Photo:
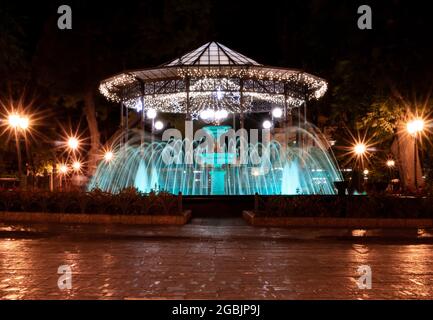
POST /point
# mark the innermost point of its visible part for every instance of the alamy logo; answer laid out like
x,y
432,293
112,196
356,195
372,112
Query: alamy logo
x,y
365,20
199,146
65,280
364,281
65,20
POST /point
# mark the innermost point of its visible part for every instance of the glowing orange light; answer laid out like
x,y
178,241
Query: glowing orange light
x,y
63,169
17,121
415,126
360,149
76,165
108,156
390,163
73,143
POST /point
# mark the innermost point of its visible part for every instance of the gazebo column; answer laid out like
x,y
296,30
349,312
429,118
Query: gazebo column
x,y
121,121
188,102
124,118
126,123
286,117
298,132
143,115
241,104
304,137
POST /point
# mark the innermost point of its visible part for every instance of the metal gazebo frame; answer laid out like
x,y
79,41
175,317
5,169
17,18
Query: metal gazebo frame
x,y
181,85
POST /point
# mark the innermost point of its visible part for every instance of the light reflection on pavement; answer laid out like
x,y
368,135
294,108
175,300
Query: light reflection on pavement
x,y
213,259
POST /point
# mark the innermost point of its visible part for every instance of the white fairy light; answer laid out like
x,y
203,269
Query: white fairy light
x,y
221,114
206,114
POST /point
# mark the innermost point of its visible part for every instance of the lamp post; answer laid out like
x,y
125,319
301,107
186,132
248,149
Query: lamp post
x,y
276,113
18,123
390,163
63,170
414,128
151,114
359,149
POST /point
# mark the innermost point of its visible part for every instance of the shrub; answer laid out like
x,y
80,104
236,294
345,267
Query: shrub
x,y
374,206
128,201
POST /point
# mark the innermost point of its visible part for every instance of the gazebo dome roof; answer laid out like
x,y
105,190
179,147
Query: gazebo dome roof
x,y
213,75
212,54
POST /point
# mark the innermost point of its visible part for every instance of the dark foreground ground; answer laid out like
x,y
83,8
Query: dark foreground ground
x,y
213,259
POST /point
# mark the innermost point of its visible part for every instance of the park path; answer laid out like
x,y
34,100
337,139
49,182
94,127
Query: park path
x,y
213,259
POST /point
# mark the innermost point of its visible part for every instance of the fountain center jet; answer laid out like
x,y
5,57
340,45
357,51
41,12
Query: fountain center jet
x,y
216,160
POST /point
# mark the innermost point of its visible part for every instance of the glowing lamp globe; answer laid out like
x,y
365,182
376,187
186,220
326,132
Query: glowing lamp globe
x,y
267,124
151,113
23,123
159,125
360,149
415,126
63,169
390,163
277,113
108,156
76,165
14,120
73,143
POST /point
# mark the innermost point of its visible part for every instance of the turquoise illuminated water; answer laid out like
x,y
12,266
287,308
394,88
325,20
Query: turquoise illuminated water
x,y
310,169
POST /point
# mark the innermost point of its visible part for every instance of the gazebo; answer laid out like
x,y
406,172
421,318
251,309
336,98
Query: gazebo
x,y
213,77
210,83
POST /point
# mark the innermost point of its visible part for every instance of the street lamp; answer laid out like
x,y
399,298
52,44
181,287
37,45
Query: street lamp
x,y
63,169
73,143
76,165
414,128
18,123
359,149
24,123
13,121
390,163
108,156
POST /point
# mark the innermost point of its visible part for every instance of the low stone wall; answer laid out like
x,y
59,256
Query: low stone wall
x,y
320,222
96,218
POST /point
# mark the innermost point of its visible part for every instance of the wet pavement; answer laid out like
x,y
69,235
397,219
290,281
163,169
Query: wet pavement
x,y
213,259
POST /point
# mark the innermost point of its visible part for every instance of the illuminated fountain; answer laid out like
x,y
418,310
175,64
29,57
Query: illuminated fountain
x,y
212,83
292,170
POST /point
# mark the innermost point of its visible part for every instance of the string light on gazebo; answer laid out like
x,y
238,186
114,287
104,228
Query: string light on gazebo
x,y
217,77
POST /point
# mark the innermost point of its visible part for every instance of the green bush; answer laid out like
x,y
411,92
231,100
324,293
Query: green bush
x,y
374,206
128,201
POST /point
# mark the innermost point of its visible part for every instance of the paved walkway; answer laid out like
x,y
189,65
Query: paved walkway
x,y
215,259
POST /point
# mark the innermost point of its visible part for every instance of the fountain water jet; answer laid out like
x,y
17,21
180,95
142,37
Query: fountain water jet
x,y
310,169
